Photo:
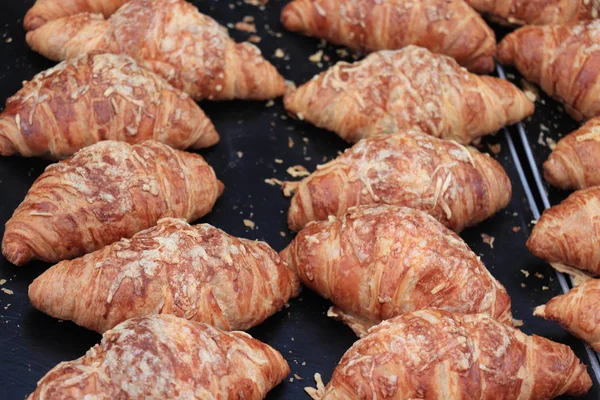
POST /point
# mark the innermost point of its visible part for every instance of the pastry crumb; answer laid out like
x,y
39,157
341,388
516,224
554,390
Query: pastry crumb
x,y
283,234
317,57
298,377
278,161
249,223
516,229
525,272
245,27
487,239
2,281
545,288
297,171
273,181
290,142
256,2
270,103
538,275
523,285
279,53
551,143
495,148
7,291
254,39
240,154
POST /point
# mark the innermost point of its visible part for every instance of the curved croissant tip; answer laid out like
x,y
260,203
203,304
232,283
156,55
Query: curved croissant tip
x,y
16,253
209,138
506,50
482,65
291,18
33,21
6,146
556,174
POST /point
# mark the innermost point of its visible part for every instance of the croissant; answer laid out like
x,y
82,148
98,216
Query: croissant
x,y
447,27
577,311
562,59
458,186
48,10
378,262
106,192
98,97
410,88
537,12
569,233
165,357
195,272
434,354
575,162
170,37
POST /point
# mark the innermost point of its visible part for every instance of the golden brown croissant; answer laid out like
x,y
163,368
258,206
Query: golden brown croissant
x,y
577,311
537,12
48,10
437,355
195,272
106,192
563,60
410,88
575,161
98,97
458,186
447,27
375,263
165,357
569,233
170,37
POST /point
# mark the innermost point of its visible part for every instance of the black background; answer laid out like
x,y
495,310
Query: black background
x,y
31,343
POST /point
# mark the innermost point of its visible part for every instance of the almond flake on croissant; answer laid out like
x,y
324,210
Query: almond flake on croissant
x,y
569,233
189,50
195,272
575,162
447,27
375,263
410,88
105,192
458,186
165,357
537,12
577,311
564,60
48,10
99,97
437,355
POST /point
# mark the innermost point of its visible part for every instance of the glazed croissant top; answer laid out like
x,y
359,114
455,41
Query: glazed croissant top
x,y
437,355
578,311
562,59
378,262
447,27
165,357
170,37
103,193
98,97
537,12
410,88
48,10
195,272
569,233
457,185
575,162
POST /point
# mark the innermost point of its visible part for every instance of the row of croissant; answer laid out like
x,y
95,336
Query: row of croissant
x,y
358,246
87,100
